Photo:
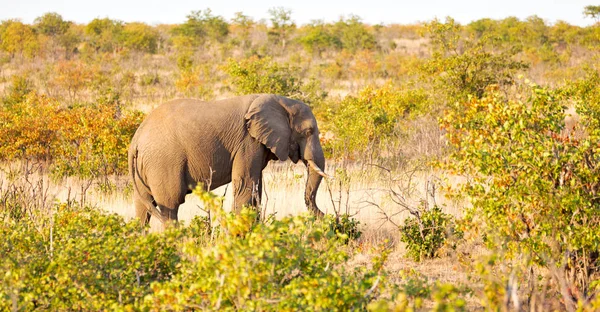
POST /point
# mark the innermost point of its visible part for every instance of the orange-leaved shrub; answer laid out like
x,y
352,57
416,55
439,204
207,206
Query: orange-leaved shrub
x,y
86,140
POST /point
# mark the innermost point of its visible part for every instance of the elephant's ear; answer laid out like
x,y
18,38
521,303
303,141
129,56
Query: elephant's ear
x,y
269,123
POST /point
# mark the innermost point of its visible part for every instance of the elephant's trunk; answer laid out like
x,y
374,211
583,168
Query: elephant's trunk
x,y
315,175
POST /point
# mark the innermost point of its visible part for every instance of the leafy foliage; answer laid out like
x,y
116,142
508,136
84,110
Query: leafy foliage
x,y
464,67
256,75
279,265
51,24
17,38
317,37
83,259
416,288
532,186
202,26
345,225
140,37
592,11
17,91
425,233
353,35
86,141
367,121
105,34
80,259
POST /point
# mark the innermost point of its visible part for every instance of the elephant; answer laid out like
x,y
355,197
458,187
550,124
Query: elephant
x,y
185,142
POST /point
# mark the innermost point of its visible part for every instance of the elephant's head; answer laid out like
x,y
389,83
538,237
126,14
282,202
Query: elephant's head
x,y
289,129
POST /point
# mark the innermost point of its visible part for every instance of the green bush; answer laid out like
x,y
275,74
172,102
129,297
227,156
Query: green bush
x,y
413,291
462,66
18,89
289,264
263,75
366,122
425,233
80,259
344,225
533,187
318,37
140,37
353,34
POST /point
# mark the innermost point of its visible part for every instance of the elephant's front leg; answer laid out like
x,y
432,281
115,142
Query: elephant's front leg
x,y
247,184
247,192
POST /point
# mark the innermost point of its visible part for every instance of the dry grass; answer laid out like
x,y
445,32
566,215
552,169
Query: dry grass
x,y
364,195
361,191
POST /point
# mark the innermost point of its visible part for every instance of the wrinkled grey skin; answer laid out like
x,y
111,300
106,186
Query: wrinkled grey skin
x,y
184,142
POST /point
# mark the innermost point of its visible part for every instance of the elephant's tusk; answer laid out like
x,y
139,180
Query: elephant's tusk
x,y
317,169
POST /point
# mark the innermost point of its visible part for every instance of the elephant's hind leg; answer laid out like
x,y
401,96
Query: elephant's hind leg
x,y
169,206
142,212
169,215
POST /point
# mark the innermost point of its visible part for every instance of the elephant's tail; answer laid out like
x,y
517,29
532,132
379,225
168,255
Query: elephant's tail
x,y
135,177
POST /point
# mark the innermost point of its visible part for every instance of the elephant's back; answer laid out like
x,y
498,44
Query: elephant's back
x,y
193,108
191,118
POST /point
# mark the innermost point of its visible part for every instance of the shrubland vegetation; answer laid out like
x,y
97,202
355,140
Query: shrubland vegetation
x,y
484,101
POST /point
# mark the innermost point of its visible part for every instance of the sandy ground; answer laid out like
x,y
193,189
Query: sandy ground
x,y
365,192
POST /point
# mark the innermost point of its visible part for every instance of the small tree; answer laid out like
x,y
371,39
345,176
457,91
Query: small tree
x,y
105,35
62,33
71,39
141,37
466,67
51,24
203,25
353,34
317,37
243,24
592,11
17,38
281,25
